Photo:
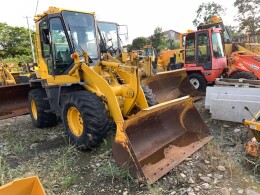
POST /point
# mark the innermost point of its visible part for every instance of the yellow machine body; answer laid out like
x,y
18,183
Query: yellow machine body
x,y
165,58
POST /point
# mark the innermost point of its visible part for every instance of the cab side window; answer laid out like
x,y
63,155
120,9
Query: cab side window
x,y
202,42
190,48
45,47
60,48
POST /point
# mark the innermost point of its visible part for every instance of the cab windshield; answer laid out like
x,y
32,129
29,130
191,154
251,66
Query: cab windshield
x,y
109,32
81,29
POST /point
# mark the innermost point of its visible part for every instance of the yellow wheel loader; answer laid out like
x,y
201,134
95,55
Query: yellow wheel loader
x,y
13,95
89,90
166,85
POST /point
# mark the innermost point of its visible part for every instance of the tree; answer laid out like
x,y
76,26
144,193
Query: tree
x,y
158,39
14,41
206,11
139,42
248,15
171,44
129,47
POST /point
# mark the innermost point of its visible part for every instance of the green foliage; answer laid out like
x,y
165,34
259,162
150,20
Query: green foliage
x,y
158,40
206,11
23,59
248,15
14,41
129,47
171,44
111,170
139,42
68,181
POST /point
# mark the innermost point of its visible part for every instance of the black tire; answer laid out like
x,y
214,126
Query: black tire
x,y
22,79
243,75
149,95
44,119
94,119
198,81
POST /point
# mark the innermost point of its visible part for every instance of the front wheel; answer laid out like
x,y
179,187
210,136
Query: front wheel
x,y
198,81
85,119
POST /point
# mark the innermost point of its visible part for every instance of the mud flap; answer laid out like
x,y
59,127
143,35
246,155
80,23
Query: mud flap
x,y
14,100
157,139
170,85
28,186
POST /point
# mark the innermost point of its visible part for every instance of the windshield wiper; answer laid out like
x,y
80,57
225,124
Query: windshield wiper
x,y
77,46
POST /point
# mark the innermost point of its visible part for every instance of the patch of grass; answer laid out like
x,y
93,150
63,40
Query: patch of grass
x,y
256,166
14,145
154,190
110,169
63,162
35,137
18,148
106,144
6,173
68,181
1,172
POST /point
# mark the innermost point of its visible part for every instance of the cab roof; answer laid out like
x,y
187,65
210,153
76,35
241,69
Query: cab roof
x,y
54,10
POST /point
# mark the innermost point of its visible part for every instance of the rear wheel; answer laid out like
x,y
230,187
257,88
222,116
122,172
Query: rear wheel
x,y
198,81
85,119
149,95
243,75
38,107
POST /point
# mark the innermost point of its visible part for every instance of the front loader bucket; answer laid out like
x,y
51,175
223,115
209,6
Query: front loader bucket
x,y
170,85
25,186
159,138
14,100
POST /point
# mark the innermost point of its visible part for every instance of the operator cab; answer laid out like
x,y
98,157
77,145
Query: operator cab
x,y
63,34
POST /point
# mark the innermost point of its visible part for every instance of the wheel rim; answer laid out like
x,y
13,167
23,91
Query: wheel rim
x,y
195,83
34,109
75,121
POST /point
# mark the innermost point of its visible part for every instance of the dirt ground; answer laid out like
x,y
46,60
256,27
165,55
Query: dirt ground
x,y
220,167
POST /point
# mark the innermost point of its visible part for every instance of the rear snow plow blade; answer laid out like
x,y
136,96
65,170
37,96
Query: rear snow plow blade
x,y
170,85
25,186
159,138
14,100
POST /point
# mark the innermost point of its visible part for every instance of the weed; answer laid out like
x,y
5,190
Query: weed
x,y
116,172
68,181
35,138
154,190
256,165
106,144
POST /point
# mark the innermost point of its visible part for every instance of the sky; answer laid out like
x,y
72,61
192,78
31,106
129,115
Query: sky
x,y
141,16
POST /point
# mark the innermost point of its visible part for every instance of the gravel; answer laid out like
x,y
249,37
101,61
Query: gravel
x,y
220,167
